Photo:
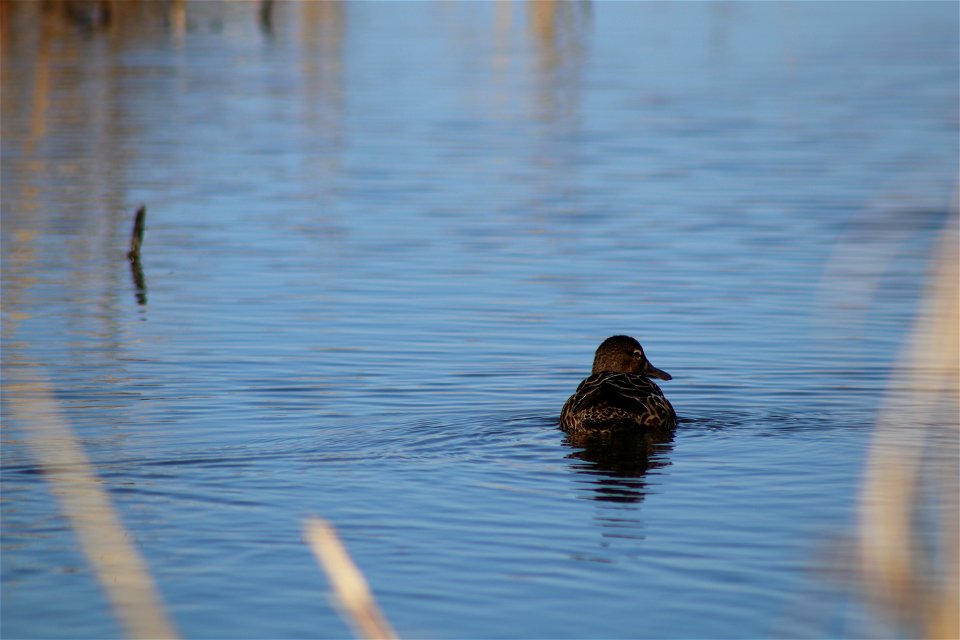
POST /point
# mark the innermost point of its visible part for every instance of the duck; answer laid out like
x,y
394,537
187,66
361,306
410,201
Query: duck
x,y
619,395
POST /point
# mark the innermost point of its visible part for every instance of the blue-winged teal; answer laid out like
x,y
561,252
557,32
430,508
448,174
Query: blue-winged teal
x,y
619,394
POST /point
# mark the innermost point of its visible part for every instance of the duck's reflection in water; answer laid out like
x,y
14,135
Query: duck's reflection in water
x,y
618,462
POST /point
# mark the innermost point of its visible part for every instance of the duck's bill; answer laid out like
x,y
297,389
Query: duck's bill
x,y
653,372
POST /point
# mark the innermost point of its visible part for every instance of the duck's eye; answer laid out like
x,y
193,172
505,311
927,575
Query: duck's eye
x,y
638,354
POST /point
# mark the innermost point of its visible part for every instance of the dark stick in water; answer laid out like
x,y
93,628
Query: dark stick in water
x,y
136,238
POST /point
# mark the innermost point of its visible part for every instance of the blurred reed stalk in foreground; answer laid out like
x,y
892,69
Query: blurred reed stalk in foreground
x,y
349,585
105,542
908,513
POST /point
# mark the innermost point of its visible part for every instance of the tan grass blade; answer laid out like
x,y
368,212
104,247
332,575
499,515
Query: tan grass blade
x,y
350,587
915,584
107,546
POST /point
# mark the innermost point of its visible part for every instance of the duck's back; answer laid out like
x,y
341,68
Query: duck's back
x,y
613,400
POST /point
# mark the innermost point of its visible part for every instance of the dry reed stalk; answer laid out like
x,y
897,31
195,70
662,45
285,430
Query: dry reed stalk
x,y
105,543
914,583
349,585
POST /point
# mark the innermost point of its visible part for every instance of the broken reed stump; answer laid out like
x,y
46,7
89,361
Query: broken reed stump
x,y
136,238
133,255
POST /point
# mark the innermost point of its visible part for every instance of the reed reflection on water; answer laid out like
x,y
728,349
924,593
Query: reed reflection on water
x,y
381,238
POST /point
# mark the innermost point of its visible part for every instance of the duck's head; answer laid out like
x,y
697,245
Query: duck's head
x,y
624,354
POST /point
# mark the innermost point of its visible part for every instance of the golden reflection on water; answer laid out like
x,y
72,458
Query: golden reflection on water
x,y
64,85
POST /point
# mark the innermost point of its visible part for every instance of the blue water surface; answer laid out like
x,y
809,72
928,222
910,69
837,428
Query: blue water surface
x,y
383,241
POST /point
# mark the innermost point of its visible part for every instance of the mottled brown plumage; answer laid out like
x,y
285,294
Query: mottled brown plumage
x,y
619,394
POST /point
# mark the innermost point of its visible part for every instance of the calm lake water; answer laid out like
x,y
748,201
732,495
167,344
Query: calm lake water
x,y
383,241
